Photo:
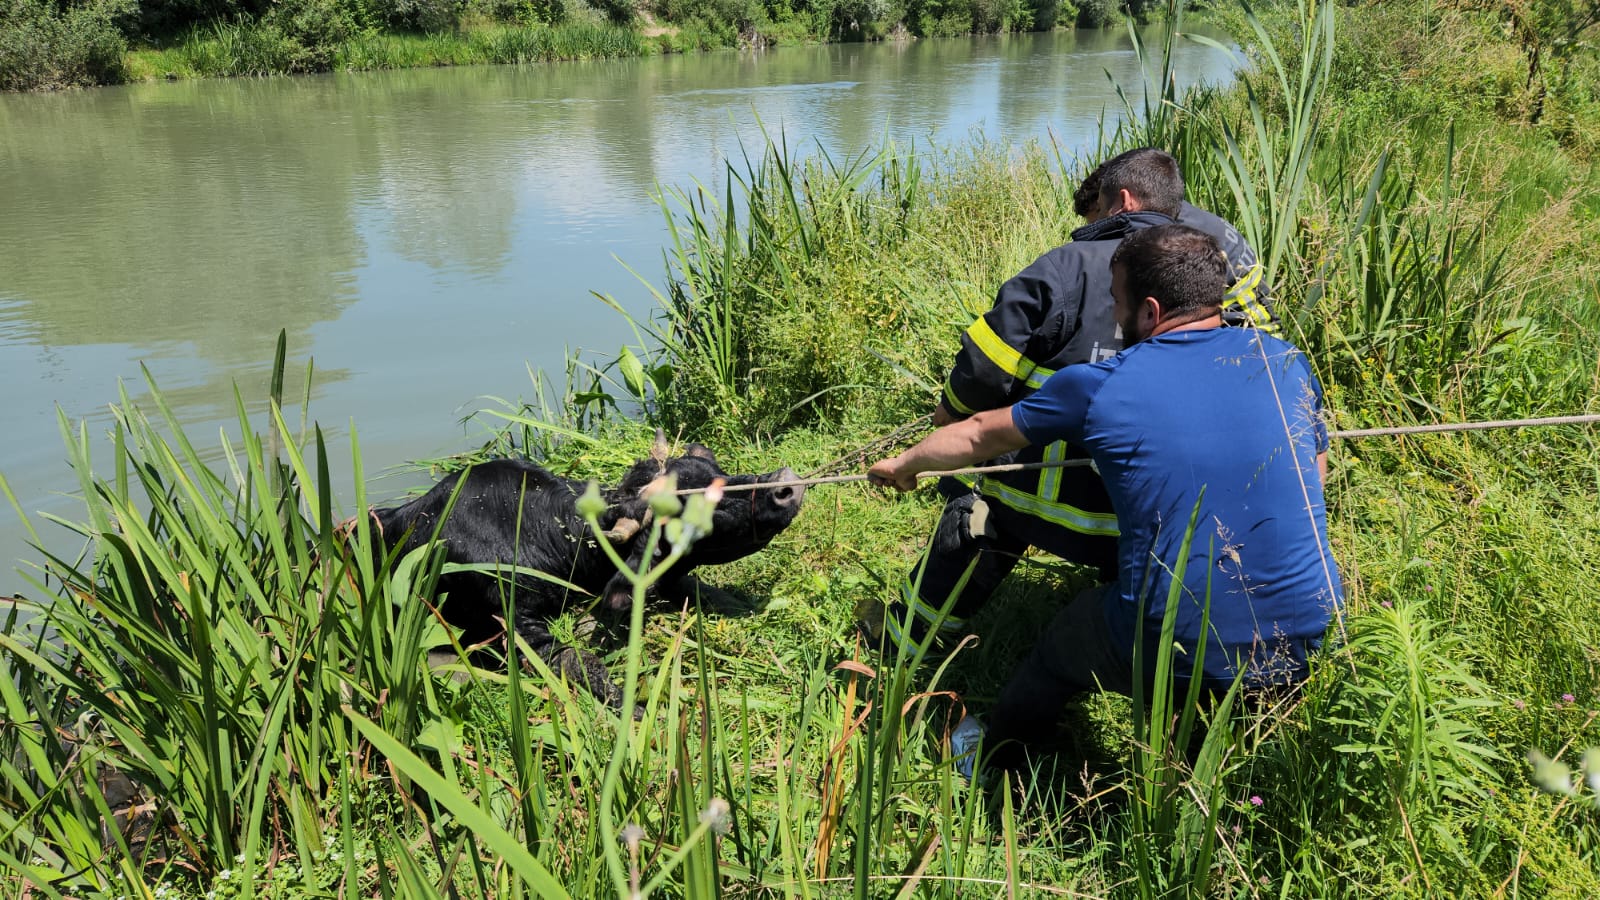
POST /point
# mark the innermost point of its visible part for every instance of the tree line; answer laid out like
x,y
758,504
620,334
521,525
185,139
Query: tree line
x,y
48,44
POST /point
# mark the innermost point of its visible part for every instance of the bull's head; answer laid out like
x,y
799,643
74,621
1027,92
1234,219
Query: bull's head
x,y
744,522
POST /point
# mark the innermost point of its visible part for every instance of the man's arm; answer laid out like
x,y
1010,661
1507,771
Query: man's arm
x,y
1322,467
986,435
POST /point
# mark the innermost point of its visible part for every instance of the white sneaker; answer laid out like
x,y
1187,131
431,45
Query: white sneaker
x,y
964,744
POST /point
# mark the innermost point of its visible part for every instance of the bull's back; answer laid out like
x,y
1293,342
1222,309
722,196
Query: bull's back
x,y
493,503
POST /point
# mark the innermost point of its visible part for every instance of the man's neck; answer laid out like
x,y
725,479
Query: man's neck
x,y
1199,323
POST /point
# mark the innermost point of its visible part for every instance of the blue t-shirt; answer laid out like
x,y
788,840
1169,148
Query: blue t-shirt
x,y
1237,413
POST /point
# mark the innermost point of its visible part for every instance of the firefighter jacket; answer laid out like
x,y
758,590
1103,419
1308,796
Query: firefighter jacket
x,y
1247,301
1057,312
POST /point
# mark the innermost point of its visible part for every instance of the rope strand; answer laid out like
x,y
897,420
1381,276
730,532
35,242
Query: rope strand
x,y
1077,463
1465,426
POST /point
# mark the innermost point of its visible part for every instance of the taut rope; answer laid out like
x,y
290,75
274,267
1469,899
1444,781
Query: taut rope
x,y
1071,463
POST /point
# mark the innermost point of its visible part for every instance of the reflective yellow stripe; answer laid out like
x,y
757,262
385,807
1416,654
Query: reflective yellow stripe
x,y
951,401
1062,514
1050,479
1037,377
1243,292
1243,296
1003,355
895,630
925,612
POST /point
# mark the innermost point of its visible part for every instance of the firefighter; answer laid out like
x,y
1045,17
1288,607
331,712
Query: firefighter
x,y
1214,451
1055,313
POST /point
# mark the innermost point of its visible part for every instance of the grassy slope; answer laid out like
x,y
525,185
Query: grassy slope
x,y
1470,563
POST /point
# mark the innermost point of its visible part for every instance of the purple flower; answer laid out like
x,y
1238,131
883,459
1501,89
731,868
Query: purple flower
x,y
1568,698
1520,705
1428,588
1388,604
1255,800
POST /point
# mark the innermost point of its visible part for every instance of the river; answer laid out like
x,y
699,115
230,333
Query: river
x,y
426,236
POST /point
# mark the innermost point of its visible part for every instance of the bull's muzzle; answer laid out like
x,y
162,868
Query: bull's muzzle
x,y
788,495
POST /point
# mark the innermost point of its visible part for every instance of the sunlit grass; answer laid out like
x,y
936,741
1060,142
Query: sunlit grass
x,y
268,695
252,49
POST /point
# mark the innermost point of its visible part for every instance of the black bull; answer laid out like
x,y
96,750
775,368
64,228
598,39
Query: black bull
x,y
509,512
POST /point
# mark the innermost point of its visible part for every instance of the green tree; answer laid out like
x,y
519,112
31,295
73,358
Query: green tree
x,y
1549,32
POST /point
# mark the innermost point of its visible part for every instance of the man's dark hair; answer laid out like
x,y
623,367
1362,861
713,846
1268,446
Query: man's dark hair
x,y
1152,176
1182,267
1086,199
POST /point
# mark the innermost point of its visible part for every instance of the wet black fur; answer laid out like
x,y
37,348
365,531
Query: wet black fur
x,y
509,511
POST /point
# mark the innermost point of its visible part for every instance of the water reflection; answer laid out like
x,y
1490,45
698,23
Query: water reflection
x,y
426,234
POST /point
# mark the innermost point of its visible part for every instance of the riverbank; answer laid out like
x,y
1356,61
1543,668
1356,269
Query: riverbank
x,y
1430,249
235,50
43,47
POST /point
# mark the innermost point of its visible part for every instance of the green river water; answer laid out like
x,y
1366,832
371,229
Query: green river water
x,y
427,236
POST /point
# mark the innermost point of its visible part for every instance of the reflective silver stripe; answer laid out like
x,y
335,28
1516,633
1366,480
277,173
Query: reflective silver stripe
x,y
925,612
1037,377
894,629
1050,479
1062,514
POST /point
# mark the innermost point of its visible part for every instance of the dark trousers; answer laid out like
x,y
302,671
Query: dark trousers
x,y
957,574
968,559
1075,655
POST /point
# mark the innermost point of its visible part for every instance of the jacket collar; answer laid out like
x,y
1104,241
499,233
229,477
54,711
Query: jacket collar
x,y
1119,226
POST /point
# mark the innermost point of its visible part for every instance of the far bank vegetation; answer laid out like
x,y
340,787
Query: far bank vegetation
x,y
48,44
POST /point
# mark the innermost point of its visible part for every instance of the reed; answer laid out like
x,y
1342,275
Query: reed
x,y
262,686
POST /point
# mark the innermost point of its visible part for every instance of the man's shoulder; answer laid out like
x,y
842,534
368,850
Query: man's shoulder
x,y
1076,249
1195,217
1211,223
1207,347
1073,256
1273,347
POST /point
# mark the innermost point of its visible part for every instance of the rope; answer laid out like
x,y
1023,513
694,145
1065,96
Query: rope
x,y
1466,426
870,450
862,476
1074,463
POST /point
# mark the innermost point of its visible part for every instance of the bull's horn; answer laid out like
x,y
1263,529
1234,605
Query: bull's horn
x,y
627,529
624,531
347,528
658,450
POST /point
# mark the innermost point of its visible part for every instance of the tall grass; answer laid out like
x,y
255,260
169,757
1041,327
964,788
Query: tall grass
x,y
782,275
225,695
265,689
262,48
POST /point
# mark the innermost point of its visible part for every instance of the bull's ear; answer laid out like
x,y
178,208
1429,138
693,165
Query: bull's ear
x,y
642,473
618,592
700,451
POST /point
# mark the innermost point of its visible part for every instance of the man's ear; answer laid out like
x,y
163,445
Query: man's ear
x,y
1150,310
1120,202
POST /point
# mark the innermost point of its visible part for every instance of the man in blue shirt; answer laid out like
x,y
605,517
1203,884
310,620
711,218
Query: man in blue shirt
x,y
1053,314
1192,420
